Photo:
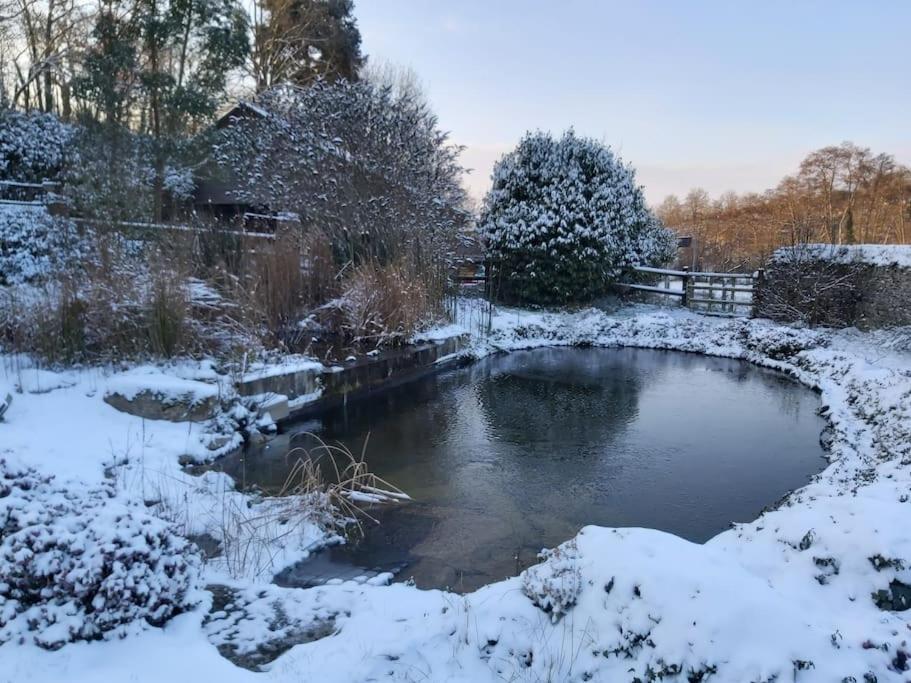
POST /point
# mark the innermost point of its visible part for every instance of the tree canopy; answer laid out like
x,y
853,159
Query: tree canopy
x,y
564,217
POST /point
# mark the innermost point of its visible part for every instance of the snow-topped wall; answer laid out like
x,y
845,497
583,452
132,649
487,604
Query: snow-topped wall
x,y
865,285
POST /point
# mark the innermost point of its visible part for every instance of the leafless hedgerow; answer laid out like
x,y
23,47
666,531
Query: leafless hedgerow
x,y
805,284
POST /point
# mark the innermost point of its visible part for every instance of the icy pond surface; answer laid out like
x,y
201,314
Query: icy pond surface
x,y
517,452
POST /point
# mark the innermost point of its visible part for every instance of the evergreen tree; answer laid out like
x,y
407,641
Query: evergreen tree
x,y
32,145
109,67
162,66
300,41
564,218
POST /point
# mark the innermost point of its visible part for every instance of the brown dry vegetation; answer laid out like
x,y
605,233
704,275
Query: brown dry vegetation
x,y
211,292
842,194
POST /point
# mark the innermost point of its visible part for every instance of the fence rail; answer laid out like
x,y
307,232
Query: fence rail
x,y
727,294
152,228
12,192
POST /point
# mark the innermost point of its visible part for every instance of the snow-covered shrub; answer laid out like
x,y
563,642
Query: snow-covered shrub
x,y
780,343
179,182
32,146
555,584
33,243
83,567
118,304
564,218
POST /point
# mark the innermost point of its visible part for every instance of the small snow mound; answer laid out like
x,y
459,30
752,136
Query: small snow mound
x,y
555,584
35,381
147,379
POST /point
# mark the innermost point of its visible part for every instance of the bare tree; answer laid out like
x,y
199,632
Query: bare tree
x,y
840,195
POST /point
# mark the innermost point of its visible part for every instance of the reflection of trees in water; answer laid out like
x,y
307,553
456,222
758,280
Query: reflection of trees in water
x,y
549,396
518,451
400,426
786,392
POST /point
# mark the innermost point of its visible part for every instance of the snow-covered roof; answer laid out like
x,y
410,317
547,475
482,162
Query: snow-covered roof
x,y
242,109
870,254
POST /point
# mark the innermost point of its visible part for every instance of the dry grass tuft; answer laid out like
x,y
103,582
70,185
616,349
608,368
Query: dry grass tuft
x,y
351,485
386,303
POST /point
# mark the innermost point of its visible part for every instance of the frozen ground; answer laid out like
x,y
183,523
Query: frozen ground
x,y
814,590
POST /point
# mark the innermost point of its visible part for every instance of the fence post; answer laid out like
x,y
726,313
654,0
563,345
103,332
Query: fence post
x,y
757,291
686,283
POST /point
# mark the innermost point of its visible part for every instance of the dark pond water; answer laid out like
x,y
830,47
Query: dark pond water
x,y
519,451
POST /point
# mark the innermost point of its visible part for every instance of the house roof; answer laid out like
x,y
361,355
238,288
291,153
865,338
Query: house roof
x,y
242,110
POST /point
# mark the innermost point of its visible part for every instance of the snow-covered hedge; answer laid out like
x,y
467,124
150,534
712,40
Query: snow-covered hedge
x,y
848,254
83,567
564,218
32,242
32,146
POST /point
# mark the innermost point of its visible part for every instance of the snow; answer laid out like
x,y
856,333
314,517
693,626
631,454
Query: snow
x,y
790,596
869,254
155,381
285,366
439,334
39,381
32,242
71,432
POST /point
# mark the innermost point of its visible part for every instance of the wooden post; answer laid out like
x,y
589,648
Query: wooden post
x,y
686,284
757,289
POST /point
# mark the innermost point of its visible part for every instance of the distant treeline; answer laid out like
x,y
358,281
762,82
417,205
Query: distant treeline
x,y
842,194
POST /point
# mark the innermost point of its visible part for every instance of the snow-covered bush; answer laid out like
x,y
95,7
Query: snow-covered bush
x,y
564,218
84,567
32,243
179,182
555,584
32,146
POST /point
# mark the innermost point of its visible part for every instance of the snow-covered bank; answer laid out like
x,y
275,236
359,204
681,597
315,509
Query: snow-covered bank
x,y
809,591
65,424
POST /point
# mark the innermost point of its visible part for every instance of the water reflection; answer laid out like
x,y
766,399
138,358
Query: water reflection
x,y
517,452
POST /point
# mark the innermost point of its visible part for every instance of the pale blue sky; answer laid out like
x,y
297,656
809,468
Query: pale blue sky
x,y
726,95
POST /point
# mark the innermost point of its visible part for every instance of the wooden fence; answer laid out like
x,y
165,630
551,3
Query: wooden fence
x,y
12,192
147,228
728,294
724,294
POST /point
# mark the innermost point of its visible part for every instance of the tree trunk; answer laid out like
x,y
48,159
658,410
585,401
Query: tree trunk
x,y
155,112
48,54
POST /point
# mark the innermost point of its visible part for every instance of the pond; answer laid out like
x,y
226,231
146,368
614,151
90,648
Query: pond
x,y
516,452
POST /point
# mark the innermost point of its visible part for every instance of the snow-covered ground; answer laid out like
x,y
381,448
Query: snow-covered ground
x,y
810,591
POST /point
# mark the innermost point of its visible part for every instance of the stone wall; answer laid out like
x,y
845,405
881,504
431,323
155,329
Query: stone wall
x,y
837,288
337,384
885,299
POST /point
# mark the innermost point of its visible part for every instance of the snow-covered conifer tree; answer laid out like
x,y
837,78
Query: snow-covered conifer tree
x,y
564,217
